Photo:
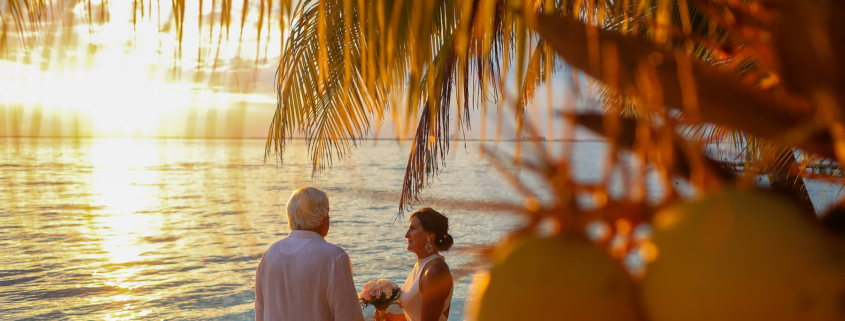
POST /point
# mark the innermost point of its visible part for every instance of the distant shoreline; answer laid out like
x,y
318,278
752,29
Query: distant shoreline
x,y
295,138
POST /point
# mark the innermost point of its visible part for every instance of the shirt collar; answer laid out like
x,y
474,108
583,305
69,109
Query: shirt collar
x,y
304,234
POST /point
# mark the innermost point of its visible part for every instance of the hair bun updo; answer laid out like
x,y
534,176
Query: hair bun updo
x,y
433,221
445,242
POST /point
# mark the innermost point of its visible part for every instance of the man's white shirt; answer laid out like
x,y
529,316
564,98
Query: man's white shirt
x,y
303,277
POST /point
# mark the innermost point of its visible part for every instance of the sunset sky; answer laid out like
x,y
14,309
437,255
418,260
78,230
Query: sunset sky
x,y
118,80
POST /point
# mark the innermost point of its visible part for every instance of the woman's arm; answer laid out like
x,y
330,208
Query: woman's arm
x,y
435,286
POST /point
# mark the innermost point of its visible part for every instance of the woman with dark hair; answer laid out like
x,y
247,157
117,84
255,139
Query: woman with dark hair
x,y
427,292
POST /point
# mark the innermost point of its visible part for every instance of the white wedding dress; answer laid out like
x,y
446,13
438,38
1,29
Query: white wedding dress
x,y
410,297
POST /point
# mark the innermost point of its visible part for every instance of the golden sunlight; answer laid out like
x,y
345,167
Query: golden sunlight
x,y
123,187
123,79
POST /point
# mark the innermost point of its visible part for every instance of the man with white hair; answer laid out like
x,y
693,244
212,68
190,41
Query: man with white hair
x,y
303,277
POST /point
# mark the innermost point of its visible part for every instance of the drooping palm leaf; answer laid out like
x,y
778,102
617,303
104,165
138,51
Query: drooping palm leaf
x,y
330,110
474,45
418,52
471,58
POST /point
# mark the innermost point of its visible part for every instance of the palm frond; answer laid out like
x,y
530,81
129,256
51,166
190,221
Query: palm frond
x,y
320,98
388,50
468,58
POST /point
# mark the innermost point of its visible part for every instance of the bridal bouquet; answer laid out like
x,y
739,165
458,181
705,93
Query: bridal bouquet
x,y
379,293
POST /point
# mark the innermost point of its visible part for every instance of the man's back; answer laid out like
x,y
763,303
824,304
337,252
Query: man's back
x,y
303,277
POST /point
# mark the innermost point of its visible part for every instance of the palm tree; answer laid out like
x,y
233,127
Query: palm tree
x,y
392,56
388,59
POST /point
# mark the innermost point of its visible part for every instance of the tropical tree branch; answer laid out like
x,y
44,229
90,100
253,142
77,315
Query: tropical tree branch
x,y
645,68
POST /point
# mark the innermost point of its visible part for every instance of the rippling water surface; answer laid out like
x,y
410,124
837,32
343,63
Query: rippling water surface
x,y
129,229
173,229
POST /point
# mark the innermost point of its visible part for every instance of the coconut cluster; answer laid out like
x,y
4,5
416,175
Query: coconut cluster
x,y
736,254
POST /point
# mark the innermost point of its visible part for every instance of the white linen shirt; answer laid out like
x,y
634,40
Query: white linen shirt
x,y
303,277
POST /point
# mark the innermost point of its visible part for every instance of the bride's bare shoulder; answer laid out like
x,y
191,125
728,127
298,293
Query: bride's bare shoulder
x,y
436,276
436,269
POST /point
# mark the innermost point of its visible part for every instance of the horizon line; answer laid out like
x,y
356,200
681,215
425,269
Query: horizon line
x,y
294,138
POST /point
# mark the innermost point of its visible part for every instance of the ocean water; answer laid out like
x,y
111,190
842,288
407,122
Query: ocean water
x,y
149,229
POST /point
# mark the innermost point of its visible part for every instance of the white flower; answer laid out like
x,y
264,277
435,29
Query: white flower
x,y
387,290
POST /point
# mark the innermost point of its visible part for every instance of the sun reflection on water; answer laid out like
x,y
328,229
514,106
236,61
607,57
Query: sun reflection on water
x,y
126,191
122,186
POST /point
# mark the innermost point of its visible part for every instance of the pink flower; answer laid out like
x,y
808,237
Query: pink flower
x,y
379,293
